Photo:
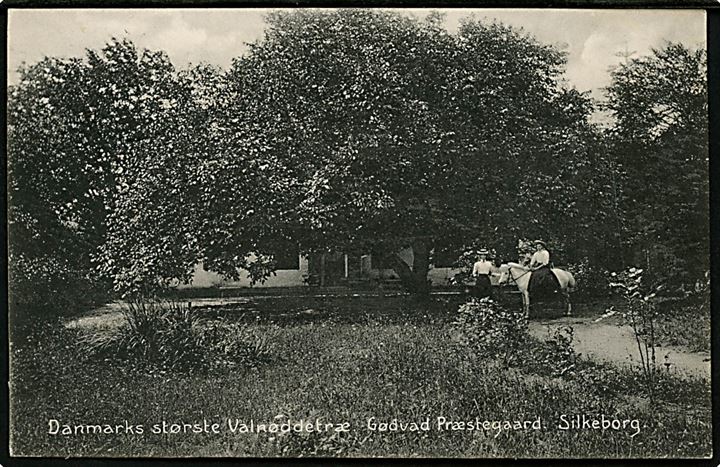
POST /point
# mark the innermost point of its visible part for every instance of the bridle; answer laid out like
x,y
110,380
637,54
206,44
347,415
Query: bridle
x,y
514,279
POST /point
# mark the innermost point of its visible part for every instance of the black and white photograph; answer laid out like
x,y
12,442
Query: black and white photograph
x,y
358,233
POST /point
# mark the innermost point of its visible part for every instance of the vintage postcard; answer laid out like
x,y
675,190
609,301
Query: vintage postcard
x,y
459,233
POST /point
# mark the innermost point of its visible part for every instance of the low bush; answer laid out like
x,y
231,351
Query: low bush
x,y
685,327
686,322
491,330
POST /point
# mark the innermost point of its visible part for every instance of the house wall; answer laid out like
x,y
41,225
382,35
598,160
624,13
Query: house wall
x,y
296,277
281,278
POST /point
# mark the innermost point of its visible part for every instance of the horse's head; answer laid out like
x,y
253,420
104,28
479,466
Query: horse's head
x,y
503,279
504,274
511,272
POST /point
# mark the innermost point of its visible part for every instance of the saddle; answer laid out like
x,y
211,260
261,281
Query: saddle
x,y
543,283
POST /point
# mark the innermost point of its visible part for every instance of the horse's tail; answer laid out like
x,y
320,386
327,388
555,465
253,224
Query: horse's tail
x,y
571,281
566,276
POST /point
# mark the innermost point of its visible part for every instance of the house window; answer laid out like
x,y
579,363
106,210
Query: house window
x,y
288,257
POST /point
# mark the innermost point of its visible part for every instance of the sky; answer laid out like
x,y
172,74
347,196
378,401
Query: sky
x,y
592,38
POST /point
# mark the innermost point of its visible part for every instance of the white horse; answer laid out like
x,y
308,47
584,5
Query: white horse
x,y
520,276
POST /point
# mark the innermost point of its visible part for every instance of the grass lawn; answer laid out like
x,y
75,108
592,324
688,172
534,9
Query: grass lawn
x,y
343,362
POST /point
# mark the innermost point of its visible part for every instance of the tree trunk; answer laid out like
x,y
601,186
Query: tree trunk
x,y
414,279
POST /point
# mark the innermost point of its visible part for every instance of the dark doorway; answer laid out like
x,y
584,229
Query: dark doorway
x,y
333,268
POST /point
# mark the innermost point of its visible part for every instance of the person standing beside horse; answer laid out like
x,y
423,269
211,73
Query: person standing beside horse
x,y
482,269
543,282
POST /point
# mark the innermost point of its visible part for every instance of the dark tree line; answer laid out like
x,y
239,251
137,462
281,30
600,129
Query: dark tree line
x,y
356,131
660,140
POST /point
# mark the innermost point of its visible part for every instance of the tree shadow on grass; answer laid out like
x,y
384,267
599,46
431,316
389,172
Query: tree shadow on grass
x,y
288,311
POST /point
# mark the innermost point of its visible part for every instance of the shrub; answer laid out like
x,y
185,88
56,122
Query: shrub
x,y
686,327
491,330
171,336
685,320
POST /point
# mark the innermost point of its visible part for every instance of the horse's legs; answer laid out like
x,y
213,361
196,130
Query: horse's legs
x,y
526,304
569,305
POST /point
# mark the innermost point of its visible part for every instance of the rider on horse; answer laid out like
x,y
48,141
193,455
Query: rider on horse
x,y
543,282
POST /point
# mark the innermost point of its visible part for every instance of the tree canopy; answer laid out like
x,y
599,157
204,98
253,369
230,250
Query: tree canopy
x,y
98,156
394,133
356,131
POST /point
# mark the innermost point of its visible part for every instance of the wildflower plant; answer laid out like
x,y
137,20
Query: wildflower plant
x,y
641,313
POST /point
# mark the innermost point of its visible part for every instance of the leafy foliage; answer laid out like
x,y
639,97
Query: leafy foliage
x,y
490,330
49,283
692,307
592,277
354,130
98,150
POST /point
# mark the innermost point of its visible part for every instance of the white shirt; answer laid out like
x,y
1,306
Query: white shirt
x,y
482,268
540,258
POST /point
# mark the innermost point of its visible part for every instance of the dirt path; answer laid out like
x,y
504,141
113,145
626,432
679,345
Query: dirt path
x,y
616,344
